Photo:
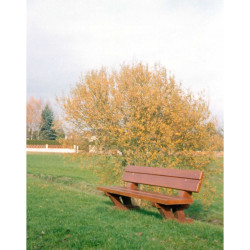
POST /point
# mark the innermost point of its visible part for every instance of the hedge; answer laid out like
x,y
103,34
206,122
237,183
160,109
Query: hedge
x,y
42,142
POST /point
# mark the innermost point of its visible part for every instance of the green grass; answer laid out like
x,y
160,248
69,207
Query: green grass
x,y
213,213
65,211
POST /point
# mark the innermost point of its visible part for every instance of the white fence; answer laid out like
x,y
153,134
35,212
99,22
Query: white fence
x,y
47,149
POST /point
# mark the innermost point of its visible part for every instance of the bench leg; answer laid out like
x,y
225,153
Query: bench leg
x,y
164,210
173,212
179,213
118,199
128,203
115,198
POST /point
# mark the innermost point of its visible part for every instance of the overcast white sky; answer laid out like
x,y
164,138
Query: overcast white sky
x,y
67,38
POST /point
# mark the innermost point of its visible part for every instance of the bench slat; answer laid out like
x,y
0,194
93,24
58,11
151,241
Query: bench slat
x,y
189,174
153,197
185,184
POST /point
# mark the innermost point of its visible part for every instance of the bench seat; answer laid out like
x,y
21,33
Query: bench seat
x,y
146,195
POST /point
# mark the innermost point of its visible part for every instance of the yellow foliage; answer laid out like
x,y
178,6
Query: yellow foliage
x,y
145,115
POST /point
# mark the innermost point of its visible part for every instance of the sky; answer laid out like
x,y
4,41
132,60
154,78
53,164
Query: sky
x,y
68,38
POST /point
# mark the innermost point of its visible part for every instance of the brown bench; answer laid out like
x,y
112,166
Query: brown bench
x,y
170,206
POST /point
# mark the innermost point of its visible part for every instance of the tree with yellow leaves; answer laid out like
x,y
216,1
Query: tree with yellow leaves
x,y
145,114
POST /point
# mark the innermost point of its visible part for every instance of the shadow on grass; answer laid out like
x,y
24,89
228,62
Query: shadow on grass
x,y
149,213
140,211
196,210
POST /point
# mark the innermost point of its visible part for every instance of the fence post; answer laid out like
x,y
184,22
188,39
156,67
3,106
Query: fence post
x,y
46,146
77,149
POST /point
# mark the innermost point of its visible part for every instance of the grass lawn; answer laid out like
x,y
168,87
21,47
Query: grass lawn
x,y
65,211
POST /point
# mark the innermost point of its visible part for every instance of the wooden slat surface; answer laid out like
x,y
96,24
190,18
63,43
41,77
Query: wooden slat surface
x,y
141,194
189,174
185,184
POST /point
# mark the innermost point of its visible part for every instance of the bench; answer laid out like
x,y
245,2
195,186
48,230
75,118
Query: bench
x,y
169,206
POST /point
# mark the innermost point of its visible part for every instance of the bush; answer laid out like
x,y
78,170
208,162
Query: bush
x,y
42,142
145,114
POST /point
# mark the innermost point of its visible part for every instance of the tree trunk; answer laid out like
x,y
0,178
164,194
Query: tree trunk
x,y
31,134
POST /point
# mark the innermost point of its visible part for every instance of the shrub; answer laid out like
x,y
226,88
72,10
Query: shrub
x,y
42,142
144,114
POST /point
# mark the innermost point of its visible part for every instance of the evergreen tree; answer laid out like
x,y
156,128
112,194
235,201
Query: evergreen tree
x,y
47,131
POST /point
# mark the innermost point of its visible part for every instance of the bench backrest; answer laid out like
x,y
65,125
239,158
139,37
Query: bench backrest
x,y
186,180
